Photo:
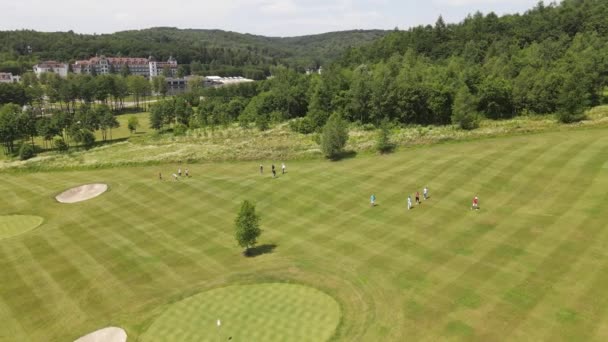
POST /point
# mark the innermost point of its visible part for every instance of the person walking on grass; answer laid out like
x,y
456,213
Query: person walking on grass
x,y
274,172
372,200
261,169
425,193
283,167
187,173
179,171
409,202
475,203
417,198
160,176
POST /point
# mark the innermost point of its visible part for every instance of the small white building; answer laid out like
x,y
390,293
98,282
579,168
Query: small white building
x,y
58,68
216,81
7,77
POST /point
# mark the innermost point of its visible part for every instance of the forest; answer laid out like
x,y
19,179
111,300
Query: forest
x,y
552,59
202,52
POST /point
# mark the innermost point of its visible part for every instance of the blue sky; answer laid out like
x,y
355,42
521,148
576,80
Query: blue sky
x,y
266,17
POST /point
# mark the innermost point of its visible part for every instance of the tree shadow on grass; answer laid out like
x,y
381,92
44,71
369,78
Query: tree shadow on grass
x,y
260,250
344,155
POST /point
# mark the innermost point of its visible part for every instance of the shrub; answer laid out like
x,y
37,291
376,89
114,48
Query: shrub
x,y
180,129
26,152
569,117
261,122
60,144
87,138
133,123
302,125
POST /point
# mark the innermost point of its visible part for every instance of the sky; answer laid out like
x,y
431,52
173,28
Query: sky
x,y
264,17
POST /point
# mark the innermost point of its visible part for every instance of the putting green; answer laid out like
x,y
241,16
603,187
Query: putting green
x,y
12,225
262,312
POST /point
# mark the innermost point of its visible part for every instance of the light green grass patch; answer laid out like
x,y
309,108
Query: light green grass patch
x,y
12,225
262,312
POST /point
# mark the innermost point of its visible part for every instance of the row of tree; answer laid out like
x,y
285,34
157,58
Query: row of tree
x,y
76,89
19,127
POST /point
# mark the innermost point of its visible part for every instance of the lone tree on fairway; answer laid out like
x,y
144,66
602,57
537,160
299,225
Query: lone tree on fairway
x,y
247,226
334,136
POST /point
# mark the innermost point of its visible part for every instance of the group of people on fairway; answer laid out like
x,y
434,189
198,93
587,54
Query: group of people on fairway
x,y
425,194
274,172
176,176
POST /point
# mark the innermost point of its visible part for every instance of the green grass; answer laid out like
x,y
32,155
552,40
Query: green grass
x,y
263,312
12,225
530,265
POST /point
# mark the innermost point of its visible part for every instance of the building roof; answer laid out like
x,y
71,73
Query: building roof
x,y
6,76
51,64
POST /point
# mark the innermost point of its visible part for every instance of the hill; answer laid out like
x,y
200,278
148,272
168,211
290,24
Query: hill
x,y
214,49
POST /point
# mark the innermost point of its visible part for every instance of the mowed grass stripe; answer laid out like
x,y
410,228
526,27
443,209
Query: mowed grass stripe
x,y
438,272
525,296
496,259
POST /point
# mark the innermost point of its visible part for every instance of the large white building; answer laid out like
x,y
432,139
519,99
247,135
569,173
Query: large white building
x,y
58,68
146,67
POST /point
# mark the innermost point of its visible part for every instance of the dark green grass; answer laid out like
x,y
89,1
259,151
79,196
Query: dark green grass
x,y
530,265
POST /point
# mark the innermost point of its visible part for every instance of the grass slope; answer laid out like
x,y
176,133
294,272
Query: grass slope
x,y
263,312
530,265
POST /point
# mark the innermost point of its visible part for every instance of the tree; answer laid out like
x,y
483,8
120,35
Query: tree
x,y
133,123
464,113
247,226
107,121
9,126
383,142
334,136
125,71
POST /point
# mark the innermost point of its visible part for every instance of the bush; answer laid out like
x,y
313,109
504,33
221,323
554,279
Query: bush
x,y
87,138
26,152
334,136
466,120
261,122
568,117
133,123
60,144
302,125
180,129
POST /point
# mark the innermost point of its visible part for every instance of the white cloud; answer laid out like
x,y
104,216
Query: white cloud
x,y
462,3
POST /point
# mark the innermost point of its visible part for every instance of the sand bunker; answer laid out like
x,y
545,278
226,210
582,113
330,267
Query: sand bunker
x,y
81,193
110,334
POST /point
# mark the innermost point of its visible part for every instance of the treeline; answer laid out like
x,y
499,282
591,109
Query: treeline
x,y
64,94
19,127
551,60
206,52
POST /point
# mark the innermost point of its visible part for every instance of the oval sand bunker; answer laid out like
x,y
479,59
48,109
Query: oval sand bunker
x,y
82,193
111,334
260,312
12,225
